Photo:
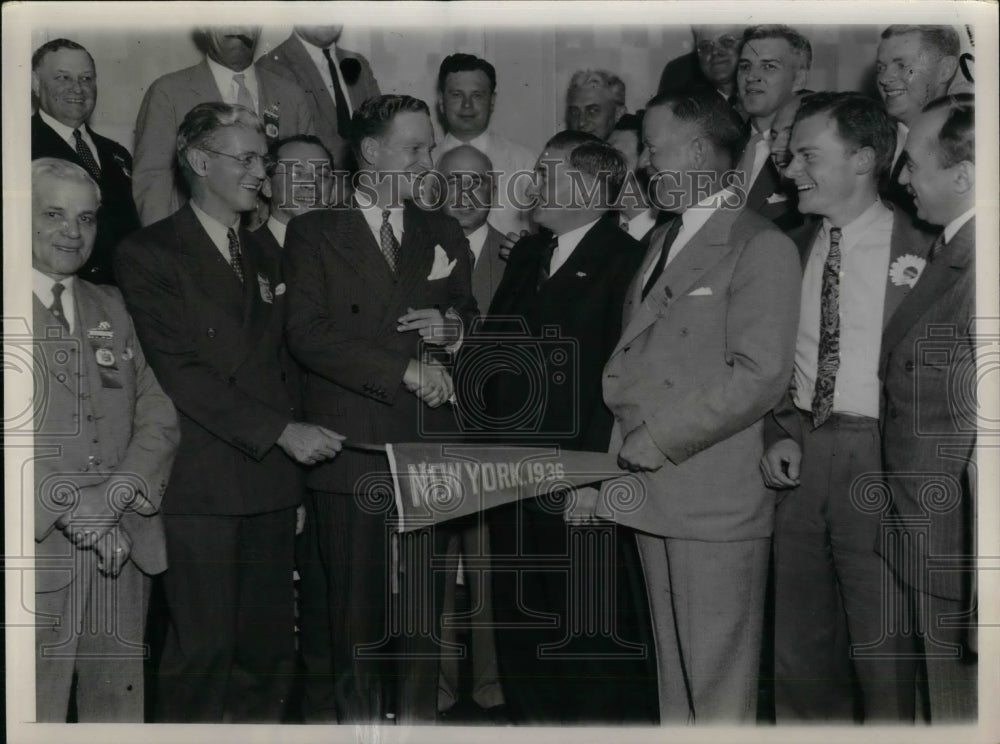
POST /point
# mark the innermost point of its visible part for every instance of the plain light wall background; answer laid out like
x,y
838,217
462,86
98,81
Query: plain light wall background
x,y
533,65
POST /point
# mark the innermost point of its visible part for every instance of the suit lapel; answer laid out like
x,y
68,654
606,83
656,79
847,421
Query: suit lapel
x,y
935,280
43,317
765,185
205,264
352,238
203,83
415,260
51,142
906,240
352,91
585,259
315,85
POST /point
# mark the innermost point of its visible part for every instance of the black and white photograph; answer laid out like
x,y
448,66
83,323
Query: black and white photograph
x,y
478,371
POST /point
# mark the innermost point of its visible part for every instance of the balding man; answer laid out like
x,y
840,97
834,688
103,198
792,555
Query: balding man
x,y
595,101
711,65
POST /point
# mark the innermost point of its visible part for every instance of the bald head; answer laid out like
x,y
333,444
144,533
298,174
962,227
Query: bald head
x,y
467,171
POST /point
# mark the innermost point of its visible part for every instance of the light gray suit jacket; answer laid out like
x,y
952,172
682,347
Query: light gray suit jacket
x,y
96,421
700,362
156,183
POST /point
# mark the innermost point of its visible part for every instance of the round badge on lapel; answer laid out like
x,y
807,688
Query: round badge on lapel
x,y
105,357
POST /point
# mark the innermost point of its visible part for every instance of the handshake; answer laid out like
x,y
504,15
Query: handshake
x,y
429,381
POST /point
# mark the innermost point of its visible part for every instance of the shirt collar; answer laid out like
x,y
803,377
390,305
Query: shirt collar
x,y
316,52
41,287
569,240
278,229
217,232
477,239
373,216
224,77
956,224
694,217
481,142
641,223
860,224
62,130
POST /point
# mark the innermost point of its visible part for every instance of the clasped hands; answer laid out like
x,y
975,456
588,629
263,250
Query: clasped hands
x,y
92,524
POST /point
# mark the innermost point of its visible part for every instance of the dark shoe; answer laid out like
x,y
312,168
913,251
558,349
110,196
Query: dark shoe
x,y
498,715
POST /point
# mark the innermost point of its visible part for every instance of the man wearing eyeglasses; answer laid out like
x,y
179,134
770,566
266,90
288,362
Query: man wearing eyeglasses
x,y
208,303
226,74
712,64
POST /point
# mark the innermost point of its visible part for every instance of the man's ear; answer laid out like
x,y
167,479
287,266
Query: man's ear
x,y
620,112
265,189
197,161
35,83
801,77
493,102
699,152
964,181
865,160
947,68
369,149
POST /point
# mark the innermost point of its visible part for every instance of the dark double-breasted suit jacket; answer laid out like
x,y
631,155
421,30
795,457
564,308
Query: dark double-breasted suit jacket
x,y
118,215
489,269
344,304
928,417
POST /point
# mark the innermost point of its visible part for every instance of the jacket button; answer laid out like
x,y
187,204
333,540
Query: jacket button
x,y
668,293
232,381
283,377
894,413
909,366
61,377
684,331
211,332
355,309
668,383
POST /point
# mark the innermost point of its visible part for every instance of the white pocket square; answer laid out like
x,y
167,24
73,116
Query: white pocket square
x,y
777,198
442,266
279,290
700,292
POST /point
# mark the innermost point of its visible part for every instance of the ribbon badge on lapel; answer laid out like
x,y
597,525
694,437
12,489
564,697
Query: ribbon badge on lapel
x,y
906,270
265,288
102,342
270,117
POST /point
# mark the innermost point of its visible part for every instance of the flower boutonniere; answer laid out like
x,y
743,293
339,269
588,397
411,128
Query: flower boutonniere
x,y
906,270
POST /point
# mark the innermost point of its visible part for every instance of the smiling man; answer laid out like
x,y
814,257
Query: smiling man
x,y
371,287
712,64
226,74
467,95
830,584
64,82
209,305
107,430
773,66
914,65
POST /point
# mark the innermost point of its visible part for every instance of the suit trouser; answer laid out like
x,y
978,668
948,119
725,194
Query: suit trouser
x,y
707,605
472,541
94,626
832,590
230,647
558,594
319,702
385,637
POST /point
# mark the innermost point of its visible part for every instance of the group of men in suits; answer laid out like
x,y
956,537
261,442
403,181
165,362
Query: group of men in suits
x,y
273,346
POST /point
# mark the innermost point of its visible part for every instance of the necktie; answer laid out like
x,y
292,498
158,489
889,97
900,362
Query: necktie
x,y
936,247
243,97
546,261
339,99
390,246
235,254
83,150
57,306
828,360
668,241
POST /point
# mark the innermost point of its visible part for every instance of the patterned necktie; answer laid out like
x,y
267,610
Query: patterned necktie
x,y
339,99
390,246
87,156
235,254
661,262
243,97
828,360
936,247
57,306
545,261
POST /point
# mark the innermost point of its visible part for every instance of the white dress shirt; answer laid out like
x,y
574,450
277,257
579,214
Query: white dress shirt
x,y
41,287
228,87
217,232
901,131
692,220
477,239
566,244
761,152
316,55
373,216
865,246
641,224
508,158
67,134
278,229
956,224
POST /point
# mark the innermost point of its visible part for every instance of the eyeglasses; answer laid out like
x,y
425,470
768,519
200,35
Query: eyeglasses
x,y
725,43
247,160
